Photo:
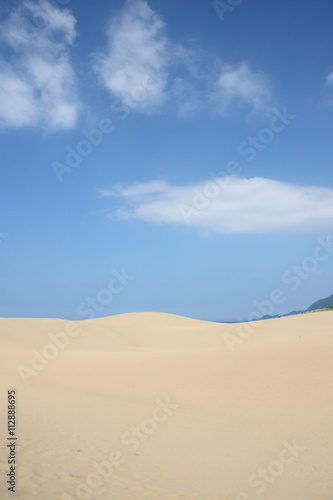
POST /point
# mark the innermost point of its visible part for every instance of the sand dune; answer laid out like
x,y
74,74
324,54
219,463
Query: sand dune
x,y
155,406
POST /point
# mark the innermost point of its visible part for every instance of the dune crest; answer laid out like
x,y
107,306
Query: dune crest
x,y
153,405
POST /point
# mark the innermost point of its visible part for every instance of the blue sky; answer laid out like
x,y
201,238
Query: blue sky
x,y
172,157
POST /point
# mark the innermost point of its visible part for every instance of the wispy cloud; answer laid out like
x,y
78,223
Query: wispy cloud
x,y
136,190
329,79
37,81
141,66
137,52
241,86
187,97
139,48
228,205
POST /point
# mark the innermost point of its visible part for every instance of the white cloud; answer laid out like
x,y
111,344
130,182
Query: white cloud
x,y
136,190
37,81
228,205
239,85
134,68
17,106
144,68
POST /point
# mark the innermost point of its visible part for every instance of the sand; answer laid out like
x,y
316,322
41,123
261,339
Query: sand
x,y
150,406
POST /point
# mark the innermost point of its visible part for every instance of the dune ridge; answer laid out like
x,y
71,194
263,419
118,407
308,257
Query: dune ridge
x,y
157,406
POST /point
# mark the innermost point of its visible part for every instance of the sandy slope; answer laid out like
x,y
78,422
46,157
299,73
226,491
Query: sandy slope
x,y
153,406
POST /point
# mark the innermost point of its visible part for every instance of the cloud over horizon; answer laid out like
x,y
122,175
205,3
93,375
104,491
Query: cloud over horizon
x,y
37,80
227,205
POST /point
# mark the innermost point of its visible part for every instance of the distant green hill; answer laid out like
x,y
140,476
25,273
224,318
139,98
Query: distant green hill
x,y
326,304
322,304
319,310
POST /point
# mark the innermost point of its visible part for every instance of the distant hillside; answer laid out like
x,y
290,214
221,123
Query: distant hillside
x,y
322,303
319,310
